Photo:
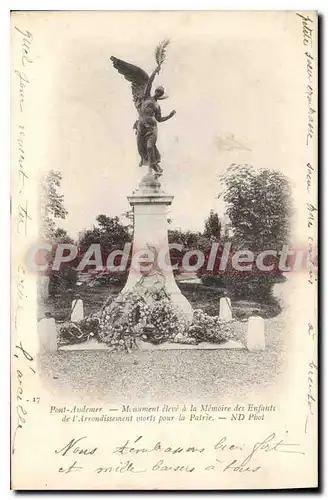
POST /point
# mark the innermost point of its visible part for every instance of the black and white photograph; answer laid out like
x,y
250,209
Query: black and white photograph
x,y
164,249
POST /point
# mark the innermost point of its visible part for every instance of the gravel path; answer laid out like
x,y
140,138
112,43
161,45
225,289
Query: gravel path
x,y
166,375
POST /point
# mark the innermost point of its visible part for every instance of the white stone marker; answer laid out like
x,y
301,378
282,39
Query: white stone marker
x,y
77,310
255,334
47,335
225,309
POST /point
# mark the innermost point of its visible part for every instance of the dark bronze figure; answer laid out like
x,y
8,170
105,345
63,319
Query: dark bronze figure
x,y
147,106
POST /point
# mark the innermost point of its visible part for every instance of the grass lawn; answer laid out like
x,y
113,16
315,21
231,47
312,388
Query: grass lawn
x,y
200,297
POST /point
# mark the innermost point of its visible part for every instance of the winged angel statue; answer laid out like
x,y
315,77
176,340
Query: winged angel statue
x,y
147,106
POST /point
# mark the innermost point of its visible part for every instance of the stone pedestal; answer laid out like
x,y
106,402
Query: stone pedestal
x,y
151,265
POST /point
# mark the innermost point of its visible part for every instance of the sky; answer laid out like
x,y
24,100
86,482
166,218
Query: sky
x,y
228,75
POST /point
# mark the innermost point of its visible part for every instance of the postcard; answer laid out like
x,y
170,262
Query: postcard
x,y
164,250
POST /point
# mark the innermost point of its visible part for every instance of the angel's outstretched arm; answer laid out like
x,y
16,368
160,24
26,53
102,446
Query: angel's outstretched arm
x,y
150,81
161,118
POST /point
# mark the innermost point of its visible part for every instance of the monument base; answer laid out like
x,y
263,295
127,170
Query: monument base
x,y
147,346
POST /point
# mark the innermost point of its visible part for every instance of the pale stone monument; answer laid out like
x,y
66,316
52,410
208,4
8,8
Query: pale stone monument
x,y
255,340
47,333
225,309
77,312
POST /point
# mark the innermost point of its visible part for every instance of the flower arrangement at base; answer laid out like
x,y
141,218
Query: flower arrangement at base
x,y
147,316
76,333
206,328
150,316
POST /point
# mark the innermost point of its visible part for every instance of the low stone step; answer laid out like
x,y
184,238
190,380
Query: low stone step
x,y
147,346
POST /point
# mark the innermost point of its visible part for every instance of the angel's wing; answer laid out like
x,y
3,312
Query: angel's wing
x,y
137,76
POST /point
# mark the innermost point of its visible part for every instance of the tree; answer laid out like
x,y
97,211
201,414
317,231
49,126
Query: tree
x,y
61,236
110,233
259,205
191,240
52,204
65,278
212,229
52,208
129,215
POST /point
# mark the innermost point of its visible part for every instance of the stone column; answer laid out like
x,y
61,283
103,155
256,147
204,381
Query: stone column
x,y
151,265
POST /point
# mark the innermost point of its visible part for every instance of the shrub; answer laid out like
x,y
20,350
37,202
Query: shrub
x,y
118,278
243,285
250,286
62,280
